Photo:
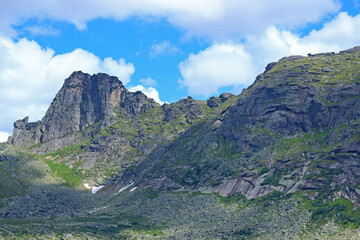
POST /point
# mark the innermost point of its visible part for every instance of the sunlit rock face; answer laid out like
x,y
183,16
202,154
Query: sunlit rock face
x,y
82,101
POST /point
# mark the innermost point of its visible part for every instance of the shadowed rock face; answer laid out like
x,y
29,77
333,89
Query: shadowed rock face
x,y
300,119
292,109
82,101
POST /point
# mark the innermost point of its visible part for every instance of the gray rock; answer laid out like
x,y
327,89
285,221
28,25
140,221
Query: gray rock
x,y
82,101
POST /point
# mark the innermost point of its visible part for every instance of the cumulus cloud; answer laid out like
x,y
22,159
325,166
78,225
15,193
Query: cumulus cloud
x,y
4,136
214,18
220,65
119,68
338,34
241,17
148,82
150,92
30,76
342,32
235,65
163,48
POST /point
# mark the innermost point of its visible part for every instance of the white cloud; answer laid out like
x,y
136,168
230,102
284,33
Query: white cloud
x,y
118,68
150,92
163,48
4,136
342,32
214,18
148,82
241,17
31,76
339,34
234,64
218,66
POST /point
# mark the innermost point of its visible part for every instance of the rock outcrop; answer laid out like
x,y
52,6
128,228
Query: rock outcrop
x,y
82,101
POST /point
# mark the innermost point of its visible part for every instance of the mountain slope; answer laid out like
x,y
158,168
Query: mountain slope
x,y
284,155
98,127
295,128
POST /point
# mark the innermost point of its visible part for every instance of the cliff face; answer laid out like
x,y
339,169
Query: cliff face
x,y
82,101
300,95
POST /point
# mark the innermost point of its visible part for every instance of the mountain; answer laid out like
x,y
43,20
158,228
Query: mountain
x,y
295,128
82,101
280,160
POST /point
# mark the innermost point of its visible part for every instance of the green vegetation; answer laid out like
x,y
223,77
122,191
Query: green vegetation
x,y
74,149
276,176
305,142
36,146
324,69
70,176
226,150
341,210
264,170
233,199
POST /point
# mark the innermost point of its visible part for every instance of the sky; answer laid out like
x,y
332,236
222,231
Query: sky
x,y
167,49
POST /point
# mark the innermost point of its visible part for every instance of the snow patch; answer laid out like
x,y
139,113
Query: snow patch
x,y
93,189
96,189
124,188
133,189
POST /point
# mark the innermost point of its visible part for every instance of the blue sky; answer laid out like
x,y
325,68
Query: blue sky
x,y
167,49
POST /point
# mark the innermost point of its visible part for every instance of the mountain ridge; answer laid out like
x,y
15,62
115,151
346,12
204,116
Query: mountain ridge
x,y
304,83
293,107
284,154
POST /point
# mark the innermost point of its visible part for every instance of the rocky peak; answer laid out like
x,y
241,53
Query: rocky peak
x,y
82,101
